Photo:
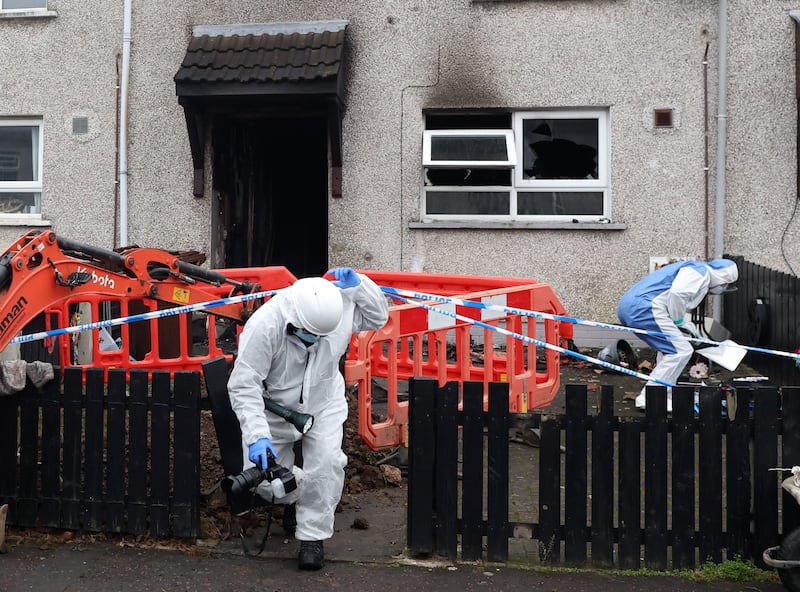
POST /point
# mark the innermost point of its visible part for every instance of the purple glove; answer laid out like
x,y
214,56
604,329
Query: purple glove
x,y
345,277
258,452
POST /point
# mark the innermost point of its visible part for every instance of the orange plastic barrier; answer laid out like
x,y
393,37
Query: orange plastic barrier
x,y
419,342
416,342
178,342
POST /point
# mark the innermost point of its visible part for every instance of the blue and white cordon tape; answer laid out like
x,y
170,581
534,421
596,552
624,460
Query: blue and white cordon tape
x,y
411,297
155,314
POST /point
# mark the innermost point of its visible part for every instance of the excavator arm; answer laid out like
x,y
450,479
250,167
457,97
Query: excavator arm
x,y
41,269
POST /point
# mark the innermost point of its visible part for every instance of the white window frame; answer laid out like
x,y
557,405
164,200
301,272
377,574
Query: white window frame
x,y
34,186
27,9
507,135
518,183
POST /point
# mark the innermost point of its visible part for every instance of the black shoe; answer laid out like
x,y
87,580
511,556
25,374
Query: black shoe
x,y
289,519
311,555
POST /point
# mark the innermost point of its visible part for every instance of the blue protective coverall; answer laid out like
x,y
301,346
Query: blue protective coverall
x,y
660,302
306,379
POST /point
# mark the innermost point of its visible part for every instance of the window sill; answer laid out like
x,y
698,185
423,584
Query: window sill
x,y
32,13
24,220
486,225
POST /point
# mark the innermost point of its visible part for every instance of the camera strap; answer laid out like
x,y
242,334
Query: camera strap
x,y
242,538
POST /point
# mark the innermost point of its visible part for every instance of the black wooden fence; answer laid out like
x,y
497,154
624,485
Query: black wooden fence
x,y
677,490
119,457
765,312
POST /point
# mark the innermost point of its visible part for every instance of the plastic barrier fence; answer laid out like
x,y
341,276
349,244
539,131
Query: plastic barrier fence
x,y
462,343
420,342
179,342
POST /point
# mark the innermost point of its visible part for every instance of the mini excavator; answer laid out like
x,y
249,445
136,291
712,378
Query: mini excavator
x,y
41,269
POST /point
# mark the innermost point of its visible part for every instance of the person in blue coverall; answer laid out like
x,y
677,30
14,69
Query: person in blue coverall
x,y
660,303
291,347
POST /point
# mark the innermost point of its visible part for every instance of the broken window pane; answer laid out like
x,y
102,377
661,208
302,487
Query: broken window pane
x,y
560,148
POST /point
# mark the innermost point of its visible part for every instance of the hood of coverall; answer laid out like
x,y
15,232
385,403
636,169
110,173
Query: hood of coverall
x,y
722,272
315,305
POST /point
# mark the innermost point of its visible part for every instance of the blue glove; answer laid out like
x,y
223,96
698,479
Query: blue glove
x,y
258,452
345,277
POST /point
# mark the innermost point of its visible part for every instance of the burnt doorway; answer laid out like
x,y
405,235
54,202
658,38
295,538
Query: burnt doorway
x,y
271,178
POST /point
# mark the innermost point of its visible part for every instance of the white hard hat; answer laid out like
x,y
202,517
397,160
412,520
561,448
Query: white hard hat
x,y
318,304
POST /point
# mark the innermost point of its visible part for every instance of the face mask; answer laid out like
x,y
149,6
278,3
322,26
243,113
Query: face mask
x,y
308,338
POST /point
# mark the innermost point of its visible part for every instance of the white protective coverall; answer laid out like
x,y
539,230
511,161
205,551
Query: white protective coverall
x,y
307,380
660,302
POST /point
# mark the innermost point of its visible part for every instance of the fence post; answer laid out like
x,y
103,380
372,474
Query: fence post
x,y
655,474
790,453
421,396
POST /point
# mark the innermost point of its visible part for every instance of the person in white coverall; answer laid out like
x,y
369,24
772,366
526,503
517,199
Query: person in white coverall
x,y
660,303
291,346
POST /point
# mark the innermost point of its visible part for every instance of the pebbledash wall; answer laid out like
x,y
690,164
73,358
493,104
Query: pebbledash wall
x,y
627,58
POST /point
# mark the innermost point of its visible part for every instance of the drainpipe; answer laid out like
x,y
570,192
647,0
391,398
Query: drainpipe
x,y
123,126
722,129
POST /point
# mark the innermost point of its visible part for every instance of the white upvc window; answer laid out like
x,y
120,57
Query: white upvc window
x,y
468,148
560,170
21,167
23,4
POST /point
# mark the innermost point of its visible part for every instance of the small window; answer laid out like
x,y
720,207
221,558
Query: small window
x,y
560,169
22,4
468,148
20,167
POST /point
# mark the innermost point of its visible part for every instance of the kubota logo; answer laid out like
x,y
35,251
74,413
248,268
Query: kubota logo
x,y
16,310
103,280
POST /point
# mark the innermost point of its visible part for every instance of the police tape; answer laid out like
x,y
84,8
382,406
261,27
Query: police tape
x,y
412,296
145,316
394,293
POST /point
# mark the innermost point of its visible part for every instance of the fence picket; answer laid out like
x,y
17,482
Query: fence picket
x,y
630,534
497,485
472,470
160,409
115,452
186,470
602,501
683,480
27,503
50,505
93,456
550,490
765,457
73,412
790,452
655,474
421,395
710,486
137,452
446,475
575,476
738,477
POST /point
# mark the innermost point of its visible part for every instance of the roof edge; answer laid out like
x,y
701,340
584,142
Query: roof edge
x,y
286,28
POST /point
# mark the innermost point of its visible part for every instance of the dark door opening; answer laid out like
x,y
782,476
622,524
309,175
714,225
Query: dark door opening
x,y
271,176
